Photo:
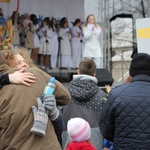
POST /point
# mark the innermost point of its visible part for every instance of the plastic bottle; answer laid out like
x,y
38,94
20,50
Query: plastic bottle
x,y
49,89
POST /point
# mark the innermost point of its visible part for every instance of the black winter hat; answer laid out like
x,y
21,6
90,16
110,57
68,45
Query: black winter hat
x,y
140,64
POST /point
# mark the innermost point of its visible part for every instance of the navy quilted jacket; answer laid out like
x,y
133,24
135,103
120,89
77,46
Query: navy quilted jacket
x,y
125,118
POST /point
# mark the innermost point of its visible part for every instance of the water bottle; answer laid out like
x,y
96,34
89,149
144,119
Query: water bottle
x,y
49,89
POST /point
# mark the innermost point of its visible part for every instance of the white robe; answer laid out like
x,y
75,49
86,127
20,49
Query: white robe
x,y
54,56
76,46
65,45
92,47
65,49
45,47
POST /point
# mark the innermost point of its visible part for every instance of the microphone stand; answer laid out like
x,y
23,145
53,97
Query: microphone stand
x,y
59,54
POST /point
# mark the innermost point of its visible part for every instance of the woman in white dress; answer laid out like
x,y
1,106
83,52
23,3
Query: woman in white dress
x,y
65,46
35,51
92,49
16,39
76,43
45,50
54,55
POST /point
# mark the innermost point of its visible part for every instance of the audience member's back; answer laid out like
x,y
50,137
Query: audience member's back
x,y
87,101
125,119
16,114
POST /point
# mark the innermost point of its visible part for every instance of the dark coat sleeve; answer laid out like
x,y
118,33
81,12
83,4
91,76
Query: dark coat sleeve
x,y
59,127
4,79
107,119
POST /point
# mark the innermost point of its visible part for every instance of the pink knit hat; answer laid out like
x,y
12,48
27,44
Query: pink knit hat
x,y
78,130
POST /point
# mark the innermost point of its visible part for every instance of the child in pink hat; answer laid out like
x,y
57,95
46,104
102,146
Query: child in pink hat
x,y
79,132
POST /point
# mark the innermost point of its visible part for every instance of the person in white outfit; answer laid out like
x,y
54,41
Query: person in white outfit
x,y
76,43
54,56
92,49
65,47
35,51
15,23
45,50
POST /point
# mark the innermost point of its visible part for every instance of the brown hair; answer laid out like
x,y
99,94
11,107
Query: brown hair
x,y
88,67
10,57
95,24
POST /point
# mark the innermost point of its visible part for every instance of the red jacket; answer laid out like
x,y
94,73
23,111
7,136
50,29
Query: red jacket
x,y
80,146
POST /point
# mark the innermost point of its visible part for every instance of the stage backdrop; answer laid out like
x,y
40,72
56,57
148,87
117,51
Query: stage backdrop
x,y
57,8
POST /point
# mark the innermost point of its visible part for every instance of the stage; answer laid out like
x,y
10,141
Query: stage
x,y
103,76
62,75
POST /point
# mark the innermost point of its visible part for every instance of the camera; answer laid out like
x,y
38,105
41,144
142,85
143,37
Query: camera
x,y
81,41
46,41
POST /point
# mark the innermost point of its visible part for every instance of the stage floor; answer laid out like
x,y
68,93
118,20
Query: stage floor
x,y
62,75
61,70
66,75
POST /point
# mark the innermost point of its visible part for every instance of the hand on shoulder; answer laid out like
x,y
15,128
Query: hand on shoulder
x,y
21,77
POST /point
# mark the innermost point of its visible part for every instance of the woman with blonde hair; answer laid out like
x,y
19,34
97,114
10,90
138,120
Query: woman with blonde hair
x,y
28,32
91,32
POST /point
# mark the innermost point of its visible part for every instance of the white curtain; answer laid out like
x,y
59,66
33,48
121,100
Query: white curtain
x,y
71,9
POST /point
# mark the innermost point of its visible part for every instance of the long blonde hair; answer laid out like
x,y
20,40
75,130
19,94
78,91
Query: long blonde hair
x,y
86,23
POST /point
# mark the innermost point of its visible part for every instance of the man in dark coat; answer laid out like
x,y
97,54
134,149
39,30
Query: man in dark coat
x,y
125,118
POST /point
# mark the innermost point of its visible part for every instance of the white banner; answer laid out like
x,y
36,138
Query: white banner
x,y
143,35
71,9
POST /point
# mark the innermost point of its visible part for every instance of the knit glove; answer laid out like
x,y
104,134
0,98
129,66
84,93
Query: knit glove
x,y
40,119
50,105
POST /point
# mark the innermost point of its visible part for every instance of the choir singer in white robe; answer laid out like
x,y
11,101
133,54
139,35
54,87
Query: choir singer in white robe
x,y
76,43
92,49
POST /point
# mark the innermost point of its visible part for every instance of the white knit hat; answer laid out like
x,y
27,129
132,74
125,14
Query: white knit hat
x,y
78,130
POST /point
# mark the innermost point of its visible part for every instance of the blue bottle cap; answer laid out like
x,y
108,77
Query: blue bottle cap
x,y
52,79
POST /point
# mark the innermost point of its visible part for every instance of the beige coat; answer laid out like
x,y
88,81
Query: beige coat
x,y
16,40
16,116
29,36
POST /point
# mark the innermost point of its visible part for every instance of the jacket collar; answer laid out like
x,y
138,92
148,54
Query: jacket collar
x,y
85,77
141,77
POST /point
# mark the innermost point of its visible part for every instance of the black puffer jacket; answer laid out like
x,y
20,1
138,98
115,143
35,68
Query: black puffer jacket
x,y
126,115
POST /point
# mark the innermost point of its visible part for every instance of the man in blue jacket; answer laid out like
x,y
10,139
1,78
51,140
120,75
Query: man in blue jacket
x,y
125,118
